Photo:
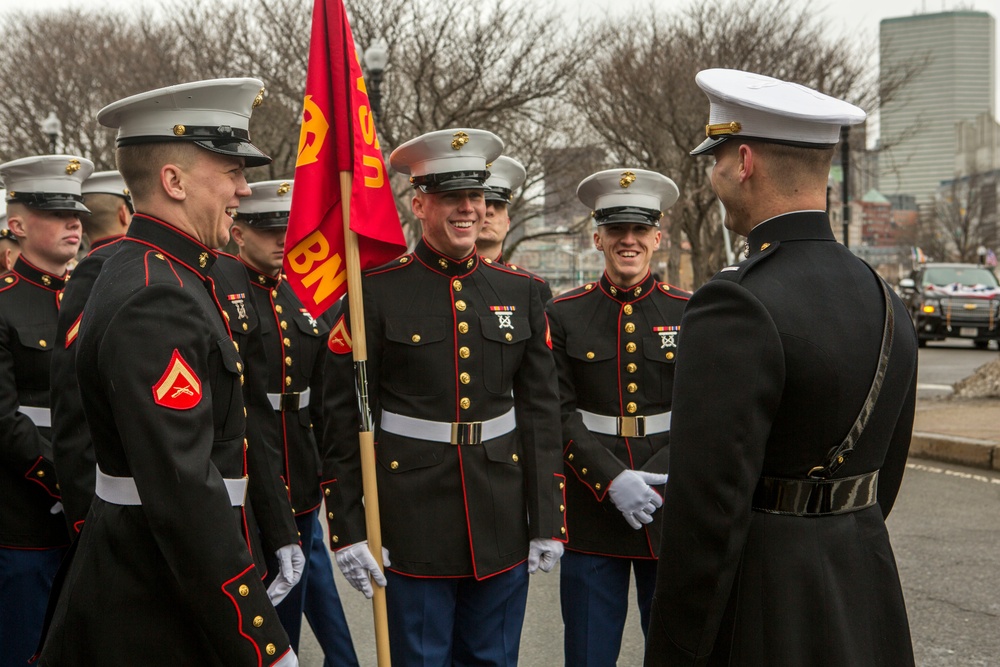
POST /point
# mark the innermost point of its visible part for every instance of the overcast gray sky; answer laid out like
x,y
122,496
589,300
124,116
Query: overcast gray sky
x,y
846,17
849,14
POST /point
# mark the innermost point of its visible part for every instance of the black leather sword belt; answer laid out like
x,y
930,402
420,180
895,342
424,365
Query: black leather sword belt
x,y
815,497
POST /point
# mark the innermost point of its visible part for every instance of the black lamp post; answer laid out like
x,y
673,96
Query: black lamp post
x,y
52,128
376,58
845,167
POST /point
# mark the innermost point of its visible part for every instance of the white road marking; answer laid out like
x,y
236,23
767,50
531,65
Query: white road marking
x,y
954,473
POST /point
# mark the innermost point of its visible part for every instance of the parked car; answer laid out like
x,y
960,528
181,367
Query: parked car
x,y
953,301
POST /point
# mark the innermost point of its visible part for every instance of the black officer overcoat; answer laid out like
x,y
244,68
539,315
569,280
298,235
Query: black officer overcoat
x,y
776,359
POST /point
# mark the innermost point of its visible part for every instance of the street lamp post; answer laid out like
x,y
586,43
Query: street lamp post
x,y
376,58
52,128
845,166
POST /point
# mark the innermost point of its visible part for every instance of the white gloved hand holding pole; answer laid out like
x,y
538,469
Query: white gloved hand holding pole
x,y
357,563
632,493
291,563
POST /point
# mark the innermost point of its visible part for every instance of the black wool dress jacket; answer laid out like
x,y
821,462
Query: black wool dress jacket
x,y
168,581
449,341
615,352
29,308
73,450
295,350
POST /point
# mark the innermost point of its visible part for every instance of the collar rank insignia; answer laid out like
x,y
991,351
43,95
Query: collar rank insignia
x,y
179,387
503,314
312,320
238,301
340,338
668,336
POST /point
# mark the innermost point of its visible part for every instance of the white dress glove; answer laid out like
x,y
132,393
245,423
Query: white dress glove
x,y
288,660
56,509
543,554
632,494
291,562
357,562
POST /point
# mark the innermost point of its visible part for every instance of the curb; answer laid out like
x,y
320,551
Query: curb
x,y
955,449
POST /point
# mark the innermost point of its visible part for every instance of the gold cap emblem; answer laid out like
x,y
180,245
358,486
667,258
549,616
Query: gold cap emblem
x,y
461,138
73,167
627,179
284,188
257,101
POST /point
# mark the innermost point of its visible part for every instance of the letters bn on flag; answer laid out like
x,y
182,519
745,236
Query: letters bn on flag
x,y
337,135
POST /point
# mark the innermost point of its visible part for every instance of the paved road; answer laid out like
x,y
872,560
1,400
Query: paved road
x,y
945,528
944,363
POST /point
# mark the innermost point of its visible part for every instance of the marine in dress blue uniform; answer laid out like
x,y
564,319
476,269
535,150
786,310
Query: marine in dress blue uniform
x,y
162,573
44,207
295,352
466,413
73,452
793,407
615,346
506,176
275,541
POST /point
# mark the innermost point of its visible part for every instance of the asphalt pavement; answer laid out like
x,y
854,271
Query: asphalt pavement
x,y
952,430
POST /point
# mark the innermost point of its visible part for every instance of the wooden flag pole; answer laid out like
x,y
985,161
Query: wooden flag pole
x,y
366,436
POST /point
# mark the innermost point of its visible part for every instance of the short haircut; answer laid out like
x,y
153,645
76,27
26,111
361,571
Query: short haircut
x,y
103,218
795,164
16,208
140,164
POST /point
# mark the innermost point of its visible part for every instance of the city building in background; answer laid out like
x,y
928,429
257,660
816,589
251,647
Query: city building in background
x,y
932,180
918,125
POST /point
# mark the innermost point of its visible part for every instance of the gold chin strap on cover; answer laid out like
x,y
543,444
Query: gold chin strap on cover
x,y
732,127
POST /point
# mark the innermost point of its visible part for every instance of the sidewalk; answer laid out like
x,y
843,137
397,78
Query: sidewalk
x,y
963,431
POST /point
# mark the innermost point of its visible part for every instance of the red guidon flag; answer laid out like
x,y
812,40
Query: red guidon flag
x,y
338,135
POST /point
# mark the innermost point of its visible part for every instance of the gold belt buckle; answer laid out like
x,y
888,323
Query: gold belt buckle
x,y
466,433
632,427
